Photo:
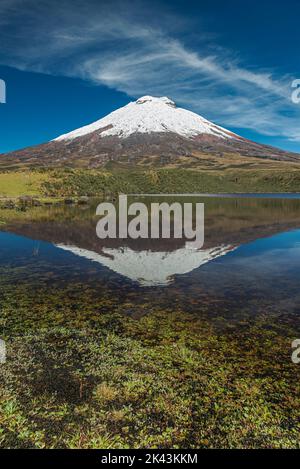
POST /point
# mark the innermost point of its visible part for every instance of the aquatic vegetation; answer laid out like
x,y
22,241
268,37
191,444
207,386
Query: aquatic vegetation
x,y
85,375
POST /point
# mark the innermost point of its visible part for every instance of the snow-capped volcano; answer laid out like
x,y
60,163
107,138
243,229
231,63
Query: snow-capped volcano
x,y
150,115
150,131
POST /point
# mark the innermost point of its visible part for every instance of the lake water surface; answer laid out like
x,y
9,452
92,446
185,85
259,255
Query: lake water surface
x,y
114,344
250,262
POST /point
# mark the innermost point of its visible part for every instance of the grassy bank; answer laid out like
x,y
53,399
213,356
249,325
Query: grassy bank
x,y
16,184
75,183
91,183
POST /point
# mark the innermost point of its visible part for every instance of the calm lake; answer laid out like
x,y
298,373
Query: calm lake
x,y
249,264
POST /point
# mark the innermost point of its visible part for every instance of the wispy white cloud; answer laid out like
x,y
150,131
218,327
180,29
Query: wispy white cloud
x,y
114,45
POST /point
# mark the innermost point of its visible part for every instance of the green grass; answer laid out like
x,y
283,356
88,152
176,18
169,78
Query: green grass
x,y
15,184
57,184
83,182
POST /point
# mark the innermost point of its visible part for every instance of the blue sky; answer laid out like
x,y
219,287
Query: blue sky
x,y
67,63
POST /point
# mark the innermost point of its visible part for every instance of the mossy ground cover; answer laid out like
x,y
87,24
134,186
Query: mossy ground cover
x,y
82,374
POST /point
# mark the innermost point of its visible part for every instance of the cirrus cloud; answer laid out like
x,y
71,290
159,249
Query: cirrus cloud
x,y
114,45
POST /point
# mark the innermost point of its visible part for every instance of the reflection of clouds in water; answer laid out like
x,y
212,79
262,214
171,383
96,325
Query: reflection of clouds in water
x,y
150,268
2,352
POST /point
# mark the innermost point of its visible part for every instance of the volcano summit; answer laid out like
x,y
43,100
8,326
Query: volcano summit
x,y
148,127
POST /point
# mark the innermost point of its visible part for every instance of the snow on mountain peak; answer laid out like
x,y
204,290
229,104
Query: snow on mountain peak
x,y
150,115
152,99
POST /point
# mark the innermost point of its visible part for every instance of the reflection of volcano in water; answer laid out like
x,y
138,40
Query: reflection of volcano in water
x,y
228,223
150,268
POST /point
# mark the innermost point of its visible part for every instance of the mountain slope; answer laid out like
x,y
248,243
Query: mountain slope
x,y
149,127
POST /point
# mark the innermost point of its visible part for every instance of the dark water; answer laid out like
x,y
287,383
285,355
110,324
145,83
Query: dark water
x,y
249,265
